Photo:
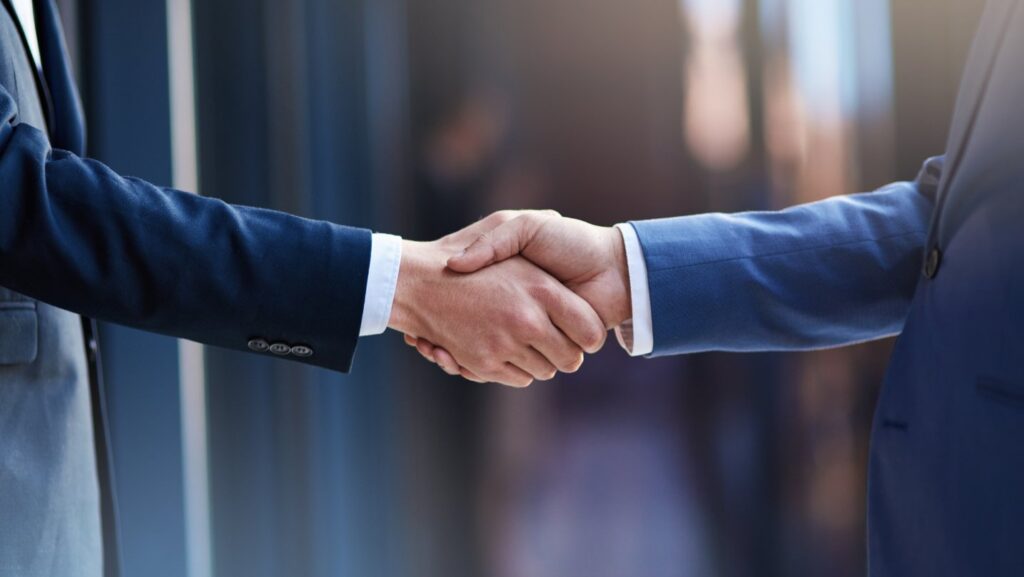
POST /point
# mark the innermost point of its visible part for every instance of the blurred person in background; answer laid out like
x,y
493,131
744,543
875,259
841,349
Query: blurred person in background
x,y
78,239
937,261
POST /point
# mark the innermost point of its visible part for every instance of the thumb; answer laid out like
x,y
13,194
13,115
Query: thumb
x,y
502,243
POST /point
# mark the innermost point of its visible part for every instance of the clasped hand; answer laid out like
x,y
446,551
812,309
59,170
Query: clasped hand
x,y
513,298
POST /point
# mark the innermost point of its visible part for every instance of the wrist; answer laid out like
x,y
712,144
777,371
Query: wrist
x,y
618,267
415,264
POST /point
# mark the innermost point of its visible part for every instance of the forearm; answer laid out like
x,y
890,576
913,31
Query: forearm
x,y
827,274
76,235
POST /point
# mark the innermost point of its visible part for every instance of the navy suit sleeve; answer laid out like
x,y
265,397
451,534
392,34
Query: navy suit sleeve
x,y
826,274
78,236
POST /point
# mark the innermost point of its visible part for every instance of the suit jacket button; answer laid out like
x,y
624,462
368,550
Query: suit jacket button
x,y
280,349
258,345
302,351
931,264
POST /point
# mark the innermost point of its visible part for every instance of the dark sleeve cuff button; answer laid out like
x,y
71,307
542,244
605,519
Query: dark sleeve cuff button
x,y
932,263
280,349
258,345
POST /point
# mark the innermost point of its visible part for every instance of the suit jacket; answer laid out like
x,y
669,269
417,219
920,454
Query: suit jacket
x,y
78,239
939,261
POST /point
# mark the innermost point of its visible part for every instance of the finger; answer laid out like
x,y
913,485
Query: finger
x,y
500,244
410,340
443,357
496,219
428,359
536,364
426,349
576,318
561,352
462,238
471,376
447,362
510,375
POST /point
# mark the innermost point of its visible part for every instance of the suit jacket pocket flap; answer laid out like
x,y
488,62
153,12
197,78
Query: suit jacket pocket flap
x,y
1000,390
19,328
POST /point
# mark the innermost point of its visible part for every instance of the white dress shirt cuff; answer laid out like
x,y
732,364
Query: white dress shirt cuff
x,y
637,334
385,259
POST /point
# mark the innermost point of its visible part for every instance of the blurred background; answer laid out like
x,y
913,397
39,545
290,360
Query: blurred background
x,y
419,116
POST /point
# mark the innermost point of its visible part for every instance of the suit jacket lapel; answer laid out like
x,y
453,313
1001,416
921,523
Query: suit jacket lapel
x,y
984,52
44,91
67,129
987,44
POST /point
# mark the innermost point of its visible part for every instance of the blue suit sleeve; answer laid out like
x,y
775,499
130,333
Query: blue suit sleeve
x,y
831,273
78,236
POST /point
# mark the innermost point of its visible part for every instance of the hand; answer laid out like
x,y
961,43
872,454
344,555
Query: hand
x,y
511,323
588,259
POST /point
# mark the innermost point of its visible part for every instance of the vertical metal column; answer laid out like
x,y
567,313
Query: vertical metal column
x,y
127,96
191,360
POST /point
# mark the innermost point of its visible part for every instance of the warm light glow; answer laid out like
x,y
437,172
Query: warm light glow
x,y
716,110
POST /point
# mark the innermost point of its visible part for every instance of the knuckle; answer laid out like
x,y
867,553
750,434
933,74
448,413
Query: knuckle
x,y
522,382
594,339
490,365
525,324
491,351
486,366
515,320
545,292
503,216
543,371
539,217
572,363
539,330
530,219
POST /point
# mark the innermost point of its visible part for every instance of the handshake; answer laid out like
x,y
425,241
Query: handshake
x,y
516,297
